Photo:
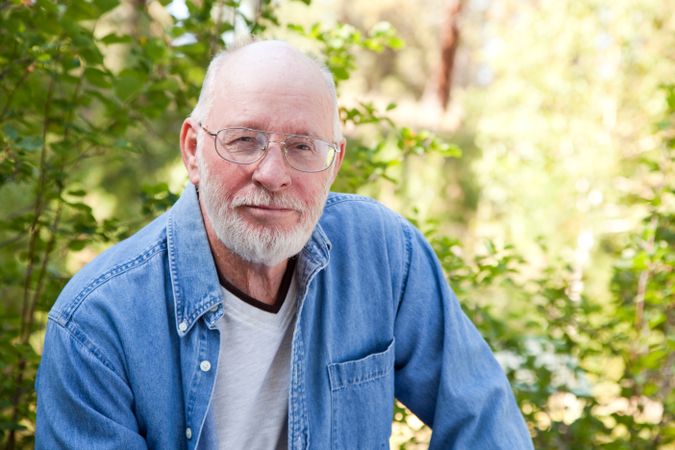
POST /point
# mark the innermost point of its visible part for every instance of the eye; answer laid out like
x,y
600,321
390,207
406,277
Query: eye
x,y
300,146
239,139
243,140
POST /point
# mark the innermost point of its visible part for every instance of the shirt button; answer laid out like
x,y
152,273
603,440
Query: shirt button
x,y
188,433
182,327
205,366
214,308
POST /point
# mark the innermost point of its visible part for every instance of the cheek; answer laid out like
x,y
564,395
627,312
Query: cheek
x,y
228,179
314,189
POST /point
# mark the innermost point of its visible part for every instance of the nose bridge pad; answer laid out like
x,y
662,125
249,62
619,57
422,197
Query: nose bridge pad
x,y
282,150
277,173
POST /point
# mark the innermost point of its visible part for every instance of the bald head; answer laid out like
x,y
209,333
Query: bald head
x,y
264,67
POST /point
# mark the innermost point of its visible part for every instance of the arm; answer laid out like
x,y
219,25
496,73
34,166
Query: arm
x,y
445,371
82,401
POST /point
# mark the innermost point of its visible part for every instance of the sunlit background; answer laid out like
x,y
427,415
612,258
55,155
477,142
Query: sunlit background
x,y
531,140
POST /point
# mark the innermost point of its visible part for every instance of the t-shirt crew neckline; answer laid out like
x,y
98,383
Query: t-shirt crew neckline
x,y
281,295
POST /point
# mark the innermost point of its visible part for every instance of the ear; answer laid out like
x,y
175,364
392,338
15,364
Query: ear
x,y
188,149
339,158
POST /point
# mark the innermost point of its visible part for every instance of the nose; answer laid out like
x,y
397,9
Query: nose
x,y
272,172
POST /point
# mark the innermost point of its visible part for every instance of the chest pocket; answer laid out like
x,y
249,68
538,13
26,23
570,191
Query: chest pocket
x,y
362,401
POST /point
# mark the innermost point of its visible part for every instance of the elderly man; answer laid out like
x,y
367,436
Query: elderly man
x,y
260,312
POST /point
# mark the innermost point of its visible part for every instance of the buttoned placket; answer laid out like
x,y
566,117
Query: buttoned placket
x,y
298,422
198,399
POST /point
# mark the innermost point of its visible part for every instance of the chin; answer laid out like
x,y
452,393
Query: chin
x,y
264,245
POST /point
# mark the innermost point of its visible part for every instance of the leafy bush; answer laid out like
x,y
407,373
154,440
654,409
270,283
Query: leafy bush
x,y
86,103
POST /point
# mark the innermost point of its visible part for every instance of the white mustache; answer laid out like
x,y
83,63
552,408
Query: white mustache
x,y
267,199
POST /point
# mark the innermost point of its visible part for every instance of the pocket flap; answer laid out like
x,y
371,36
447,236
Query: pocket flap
x,y
363,370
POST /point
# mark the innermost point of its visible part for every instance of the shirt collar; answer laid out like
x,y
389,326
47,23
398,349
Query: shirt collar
x,y
194,279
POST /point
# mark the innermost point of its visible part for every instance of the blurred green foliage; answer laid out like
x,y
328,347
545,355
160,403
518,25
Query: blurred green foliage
x,y
93,95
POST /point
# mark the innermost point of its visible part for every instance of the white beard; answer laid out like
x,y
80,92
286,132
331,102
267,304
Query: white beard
x,y
268,245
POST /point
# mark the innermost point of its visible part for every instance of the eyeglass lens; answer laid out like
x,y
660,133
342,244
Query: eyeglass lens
x,y
245,146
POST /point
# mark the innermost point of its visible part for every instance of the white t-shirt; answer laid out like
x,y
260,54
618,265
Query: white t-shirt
x,y
250,399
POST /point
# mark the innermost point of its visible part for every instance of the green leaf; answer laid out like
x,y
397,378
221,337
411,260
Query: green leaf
x,y
10,132
296,28
128,83
155,49
83,207
114,38
396,43
30,143
79,10
123,144
105,5
77,245
97,77
169,84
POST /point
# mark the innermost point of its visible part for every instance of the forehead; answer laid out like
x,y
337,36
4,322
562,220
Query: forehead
x,y
273,87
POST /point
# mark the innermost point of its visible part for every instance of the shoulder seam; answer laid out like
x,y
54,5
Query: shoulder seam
x,y
407,233
342,198
81,339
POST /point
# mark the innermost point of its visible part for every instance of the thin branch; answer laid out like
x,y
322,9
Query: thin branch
x,y
34,232
35,228
42,276
24,339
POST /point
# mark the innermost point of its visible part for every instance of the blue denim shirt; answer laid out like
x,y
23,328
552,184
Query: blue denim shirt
x,y
131,350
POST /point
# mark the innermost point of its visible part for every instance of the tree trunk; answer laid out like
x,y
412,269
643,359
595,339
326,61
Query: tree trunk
x,y
449,42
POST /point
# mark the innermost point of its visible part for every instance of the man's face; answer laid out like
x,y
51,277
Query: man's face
x,y
266,211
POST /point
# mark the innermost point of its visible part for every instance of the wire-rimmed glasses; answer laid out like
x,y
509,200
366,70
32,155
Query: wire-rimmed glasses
x,y
246,146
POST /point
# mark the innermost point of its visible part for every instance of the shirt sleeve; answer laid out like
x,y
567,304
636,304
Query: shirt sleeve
x,y
82,402
445,372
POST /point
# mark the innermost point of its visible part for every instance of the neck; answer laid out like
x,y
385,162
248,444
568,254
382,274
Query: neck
x,y
259,281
